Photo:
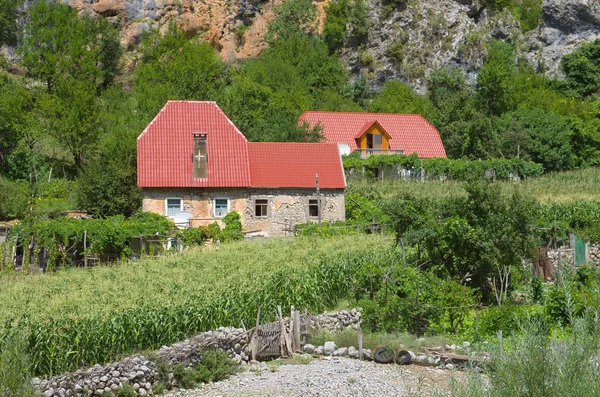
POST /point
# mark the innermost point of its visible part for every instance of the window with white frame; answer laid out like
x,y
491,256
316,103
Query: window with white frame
x,y
173,206
221,206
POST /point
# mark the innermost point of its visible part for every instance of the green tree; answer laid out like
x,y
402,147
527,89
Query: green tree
x,y
9,14
495,79
107,184
582,68
56,42
175,67
470,239
397,97
72,118
541,136
292,18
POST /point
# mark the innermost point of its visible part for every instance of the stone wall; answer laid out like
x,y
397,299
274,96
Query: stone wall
x,y
141,372
285,206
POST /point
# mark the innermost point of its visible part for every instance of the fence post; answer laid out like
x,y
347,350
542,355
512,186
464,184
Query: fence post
x,y
254,342
296,330
477,322
444,341
85,262
500,343
360,342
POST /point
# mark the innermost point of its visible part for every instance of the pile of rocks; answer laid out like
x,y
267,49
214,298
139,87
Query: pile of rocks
x,y
137,371
336,321
431,356
141,372
594,253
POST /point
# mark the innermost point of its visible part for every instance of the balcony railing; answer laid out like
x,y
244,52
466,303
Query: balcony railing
x,y
364,153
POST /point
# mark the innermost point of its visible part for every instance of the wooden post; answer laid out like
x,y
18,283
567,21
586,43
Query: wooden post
x,y
360,342
318,199
285,335
85,262
14,252
282,332
477,322
296,331
500,343
254,342
444,341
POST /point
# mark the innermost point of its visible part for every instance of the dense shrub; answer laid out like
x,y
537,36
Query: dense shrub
x,y
443,167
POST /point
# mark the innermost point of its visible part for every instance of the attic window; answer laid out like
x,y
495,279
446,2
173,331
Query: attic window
x,y
200,157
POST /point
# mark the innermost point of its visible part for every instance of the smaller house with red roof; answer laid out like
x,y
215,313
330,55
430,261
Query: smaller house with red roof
x,y
379,133
195,166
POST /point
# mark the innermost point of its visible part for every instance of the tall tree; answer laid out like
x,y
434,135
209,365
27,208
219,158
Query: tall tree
x,y
495,79
57,42
9,13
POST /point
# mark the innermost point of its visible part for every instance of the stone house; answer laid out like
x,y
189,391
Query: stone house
x,y
379,133
195,166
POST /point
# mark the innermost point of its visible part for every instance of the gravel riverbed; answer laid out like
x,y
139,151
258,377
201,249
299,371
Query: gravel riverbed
x,y
328,376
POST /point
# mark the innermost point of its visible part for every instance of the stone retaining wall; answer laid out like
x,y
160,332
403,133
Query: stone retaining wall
x,y
141,372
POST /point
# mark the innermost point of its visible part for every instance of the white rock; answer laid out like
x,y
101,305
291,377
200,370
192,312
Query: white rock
x,y
352,352
466,345
308,348
329,347
319,350
341,352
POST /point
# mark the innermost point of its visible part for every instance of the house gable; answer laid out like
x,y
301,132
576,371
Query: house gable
x,y
408,132
166,148
372,128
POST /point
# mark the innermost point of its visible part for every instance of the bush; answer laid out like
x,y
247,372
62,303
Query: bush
x,y
506,318
214,365
536,366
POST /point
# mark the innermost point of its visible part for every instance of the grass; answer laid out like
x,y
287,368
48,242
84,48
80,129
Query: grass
x,y
554,187
205,272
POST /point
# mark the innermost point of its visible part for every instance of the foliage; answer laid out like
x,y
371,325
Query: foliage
x,y
469,239
214,366
9,14
496,77
341,15
233,228
15,367
582,68
452,169
543,137
58,42
538,366
104,236
292,18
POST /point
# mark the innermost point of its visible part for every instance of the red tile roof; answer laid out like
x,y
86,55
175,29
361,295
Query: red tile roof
x,y
166,146
165,150
279,164
410,132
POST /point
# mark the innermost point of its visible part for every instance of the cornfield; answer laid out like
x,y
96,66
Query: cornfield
x,y
80,317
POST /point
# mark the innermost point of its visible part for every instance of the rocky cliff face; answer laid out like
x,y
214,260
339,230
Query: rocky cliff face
x,y
407,43
440,33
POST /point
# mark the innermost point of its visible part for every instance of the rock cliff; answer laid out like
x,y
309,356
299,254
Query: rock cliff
x,y
407,43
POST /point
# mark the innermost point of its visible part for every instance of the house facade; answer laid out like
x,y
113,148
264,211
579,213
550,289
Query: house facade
x,y
195,166
378,133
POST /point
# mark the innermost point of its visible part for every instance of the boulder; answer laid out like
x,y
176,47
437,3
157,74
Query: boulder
x,y
109,8
341,352
308,348
329,347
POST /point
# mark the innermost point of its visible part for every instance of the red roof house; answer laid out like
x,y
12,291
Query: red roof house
x,y
374,133
195,166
